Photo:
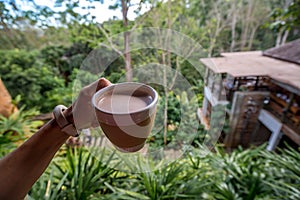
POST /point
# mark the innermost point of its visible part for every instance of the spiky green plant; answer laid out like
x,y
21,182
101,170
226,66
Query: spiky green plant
x,y
20,122
17,127
77,174
242,174
47,187
284,169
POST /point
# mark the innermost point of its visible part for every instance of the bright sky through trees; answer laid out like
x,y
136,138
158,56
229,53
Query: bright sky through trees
x,y
101,10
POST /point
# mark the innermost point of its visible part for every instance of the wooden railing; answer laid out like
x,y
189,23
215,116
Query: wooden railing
x,y
287,115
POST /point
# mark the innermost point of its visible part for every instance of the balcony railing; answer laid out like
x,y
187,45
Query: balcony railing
x,y
289,115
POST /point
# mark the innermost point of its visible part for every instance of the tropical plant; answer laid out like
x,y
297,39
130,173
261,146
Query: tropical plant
x,y
16,128
285,172
200,174
20,122
76,174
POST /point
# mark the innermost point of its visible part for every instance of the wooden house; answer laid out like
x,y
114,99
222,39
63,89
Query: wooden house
x,y
260,92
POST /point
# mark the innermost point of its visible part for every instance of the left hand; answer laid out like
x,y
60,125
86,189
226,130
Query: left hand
x,y
82,113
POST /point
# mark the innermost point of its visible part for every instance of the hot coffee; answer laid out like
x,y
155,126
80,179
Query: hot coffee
x,y
122,103
126,113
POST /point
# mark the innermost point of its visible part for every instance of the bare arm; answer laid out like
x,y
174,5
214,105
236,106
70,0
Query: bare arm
x,y
20,169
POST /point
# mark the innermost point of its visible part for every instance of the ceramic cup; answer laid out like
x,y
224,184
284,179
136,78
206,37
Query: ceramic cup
x,y
126,113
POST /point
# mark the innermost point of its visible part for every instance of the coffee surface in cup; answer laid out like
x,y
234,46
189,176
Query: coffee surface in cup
x,y
123,103
126,113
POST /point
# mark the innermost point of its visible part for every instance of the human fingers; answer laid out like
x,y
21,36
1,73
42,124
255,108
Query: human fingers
x,y
102,83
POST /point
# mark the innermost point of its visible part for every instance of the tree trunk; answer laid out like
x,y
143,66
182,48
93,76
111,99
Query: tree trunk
x,y
214,36
278,39
127,55
286,34
233,25
166,99
165,73
220,24
245,29
252,35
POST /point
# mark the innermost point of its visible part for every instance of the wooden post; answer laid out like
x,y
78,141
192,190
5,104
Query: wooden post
x,y
205,106
238,83
256,83
206,76
231,90
220,88
287,107
213,83
243,118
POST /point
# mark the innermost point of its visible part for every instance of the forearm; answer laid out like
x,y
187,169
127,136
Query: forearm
x,y
20,169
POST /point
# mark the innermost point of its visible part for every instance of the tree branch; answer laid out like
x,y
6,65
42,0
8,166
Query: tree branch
x,y
110,42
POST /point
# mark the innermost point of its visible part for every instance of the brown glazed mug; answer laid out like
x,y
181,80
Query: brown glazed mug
x,y
126,113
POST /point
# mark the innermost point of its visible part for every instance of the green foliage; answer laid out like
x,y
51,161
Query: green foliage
x,y
20,122
58,95
66,94
24,75
6,144
65,59
16,128
284,173
163,183
242,174
286,19
182,124
174,116
245,174
199,174
52,56
45,78
77,174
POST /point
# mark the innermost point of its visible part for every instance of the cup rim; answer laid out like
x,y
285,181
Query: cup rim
x,y
125,83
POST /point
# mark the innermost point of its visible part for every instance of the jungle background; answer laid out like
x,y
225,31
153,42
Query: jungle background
x,y
42,50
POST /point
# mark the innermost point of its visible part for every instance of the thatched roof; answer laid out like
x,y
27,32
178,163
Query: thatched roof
x,y
288,52
253,63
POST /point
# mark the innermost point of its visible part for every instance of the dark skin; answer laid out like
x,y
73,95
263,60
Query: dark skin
x,y
20,169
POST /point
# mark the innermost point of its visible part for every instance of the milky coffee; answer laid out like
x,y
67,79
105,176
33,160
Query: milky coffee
x,y
126,112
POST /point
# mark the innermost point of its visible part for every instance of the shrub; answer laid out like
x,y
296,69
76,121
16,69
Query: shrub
x,y
23,74
16,128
